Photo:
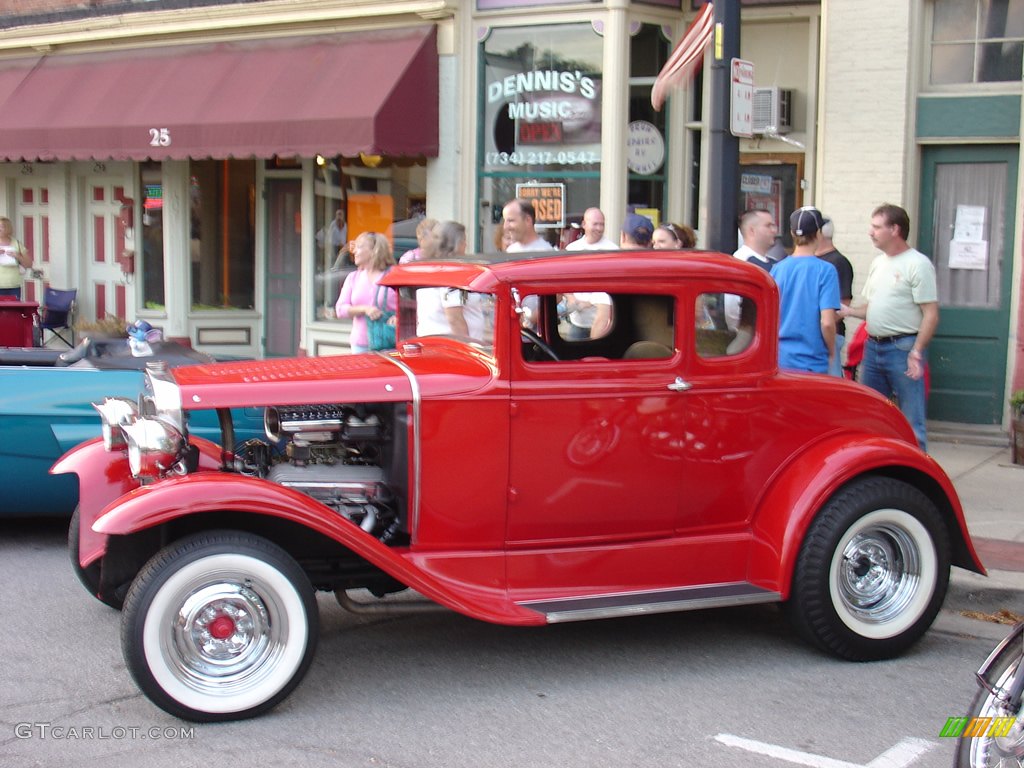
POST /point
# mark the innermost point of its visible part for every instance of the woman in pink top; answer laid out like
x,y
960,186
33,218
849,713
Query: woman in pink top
x,y
358,299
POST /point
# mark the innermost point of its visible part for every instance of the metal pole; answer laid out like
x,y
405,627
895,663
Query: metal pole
x,y
723,147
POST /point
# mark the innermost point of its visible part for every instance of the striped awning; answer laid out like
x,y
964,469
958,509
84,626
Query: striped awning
x,y
685,57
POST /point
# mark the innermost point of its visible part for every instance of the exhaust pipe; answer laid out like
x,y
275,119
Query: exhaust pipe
x,y
346,601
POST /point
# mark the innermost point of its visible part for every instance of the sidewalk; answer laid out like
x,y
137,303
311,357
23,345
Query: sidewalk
x,y
991,490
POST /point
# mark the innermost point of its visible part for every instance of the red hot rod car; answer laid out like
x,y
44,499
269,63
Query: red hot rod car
x,y
534,471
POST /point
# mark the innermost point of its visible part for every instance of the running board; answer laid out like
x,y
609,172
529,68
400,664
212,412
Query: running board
x,y
655,601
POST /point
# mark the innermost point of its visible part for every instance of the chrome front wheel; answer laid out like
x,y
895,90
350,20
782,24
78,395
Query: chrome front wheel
x,y
219,626
883,575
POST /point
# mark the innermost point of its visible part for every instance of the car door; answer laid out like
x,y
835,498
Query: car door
x,y
582,469
632,473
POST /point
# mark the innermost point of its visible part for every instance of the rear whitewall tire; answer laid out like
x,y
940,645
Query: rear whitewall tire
x,y
219,626
872,571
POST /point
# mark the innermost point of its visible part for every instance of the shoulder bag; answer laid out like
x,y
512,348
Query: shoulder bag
x,y
380,332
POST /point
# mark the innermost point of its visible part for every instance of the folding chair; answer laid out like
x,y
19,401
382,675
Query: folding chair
x,y
57,313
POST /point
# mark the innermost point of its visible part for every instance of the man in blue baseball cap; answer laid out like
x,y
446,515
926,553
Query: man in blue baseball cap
x,y
637,231
808,298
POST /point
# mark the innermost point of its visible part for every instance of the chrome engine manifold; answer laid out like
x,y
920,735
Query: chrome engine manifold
x,y
331,453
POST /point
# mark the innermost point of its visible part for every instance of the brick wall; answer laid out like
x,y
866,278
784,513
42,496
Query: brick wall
x,y
865,119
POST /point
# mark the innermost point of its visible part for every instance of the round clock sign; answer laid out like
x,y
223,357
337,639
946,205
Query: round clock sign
x,y
645,148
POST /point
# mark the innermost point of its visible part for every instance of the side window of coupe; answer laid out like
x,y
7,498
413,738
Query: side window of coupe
x,y
594,326
585,315
725,324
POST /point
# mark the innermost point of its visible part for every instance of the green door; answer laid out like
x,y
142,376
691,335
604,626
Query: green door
x,y
968,199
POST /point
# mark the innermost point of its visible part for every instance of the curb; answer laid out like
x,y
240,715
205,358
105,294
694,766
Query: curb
x,y
1000,590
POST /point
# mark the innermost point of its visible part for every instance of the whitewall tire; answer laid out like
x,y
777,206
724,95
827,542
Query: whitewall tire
x,y
872,570
219,626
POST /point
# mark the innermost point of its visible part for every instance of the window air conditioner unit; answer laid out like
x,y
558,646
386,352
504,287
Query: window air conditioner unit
x,y
771,110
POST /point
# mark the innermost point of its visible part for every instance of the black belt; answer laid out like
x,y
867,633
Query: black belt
x,y
890,339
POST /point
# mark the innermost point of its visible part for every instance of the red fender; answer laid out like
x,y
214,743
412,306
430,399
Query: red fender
x,y
794,498
104,476
217,491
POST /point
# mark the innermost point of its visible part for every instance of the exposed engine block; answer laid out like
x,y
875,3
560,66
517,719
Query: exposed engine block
x,y
332,453
357,492
341,426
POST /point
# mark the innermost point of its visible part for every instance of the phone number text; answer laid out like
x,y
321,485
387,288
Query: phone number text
x,y
542,157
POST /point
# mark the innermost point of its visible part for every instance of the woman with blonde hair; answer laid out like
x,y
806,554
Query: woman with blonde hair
x,y
13,259
361,297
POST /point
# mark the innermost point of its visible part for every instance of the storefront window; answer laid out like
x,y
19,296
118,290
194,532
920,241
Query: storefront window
x,y
331,262
368,193
152,266
541,90
646,154
695,136
222,234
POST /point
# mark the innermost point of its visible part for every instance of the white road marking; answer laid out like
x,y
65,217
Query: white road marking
x,y
900,756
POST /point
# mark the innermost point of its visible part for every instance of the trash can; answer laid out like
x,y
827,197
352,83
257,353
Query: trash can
x,y
17,319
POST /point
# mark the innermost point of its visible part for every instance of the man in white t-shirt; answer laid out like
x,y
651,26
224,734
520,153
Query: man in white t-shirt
x,y
593,234
335,233
902,312
589,314
758,230
519,217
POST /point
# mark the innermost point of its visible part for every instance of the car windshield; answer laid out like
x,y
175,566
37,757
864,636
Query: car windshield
x,y
448,311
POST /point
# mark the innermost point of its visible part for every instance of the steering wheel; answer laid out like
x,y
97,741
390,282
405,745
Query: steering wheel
x,y
534,338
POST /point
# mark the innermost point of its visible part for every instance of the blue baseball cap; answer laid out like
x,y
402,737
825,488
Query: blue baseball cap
x,y
638,227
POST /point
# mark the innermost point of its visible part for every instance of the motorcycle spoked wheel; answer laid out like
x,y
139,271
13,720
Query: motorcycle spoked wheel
x,y
992,751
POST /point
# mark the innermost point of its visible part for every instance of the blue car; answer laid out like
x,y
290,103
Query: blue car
x,y
46,409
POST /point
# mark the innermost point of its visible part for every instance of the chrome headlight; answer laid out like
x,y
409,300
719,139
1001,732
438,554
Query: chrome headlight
x,y
115,413
154,446
162,397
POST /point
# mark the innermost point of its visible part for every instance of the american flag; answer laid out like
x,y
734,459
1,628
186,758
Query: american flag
x,y
683,61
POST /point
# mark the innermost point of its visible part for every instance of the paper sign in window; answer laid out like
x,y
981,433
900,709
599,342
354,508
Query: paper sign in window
x,y
965,254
